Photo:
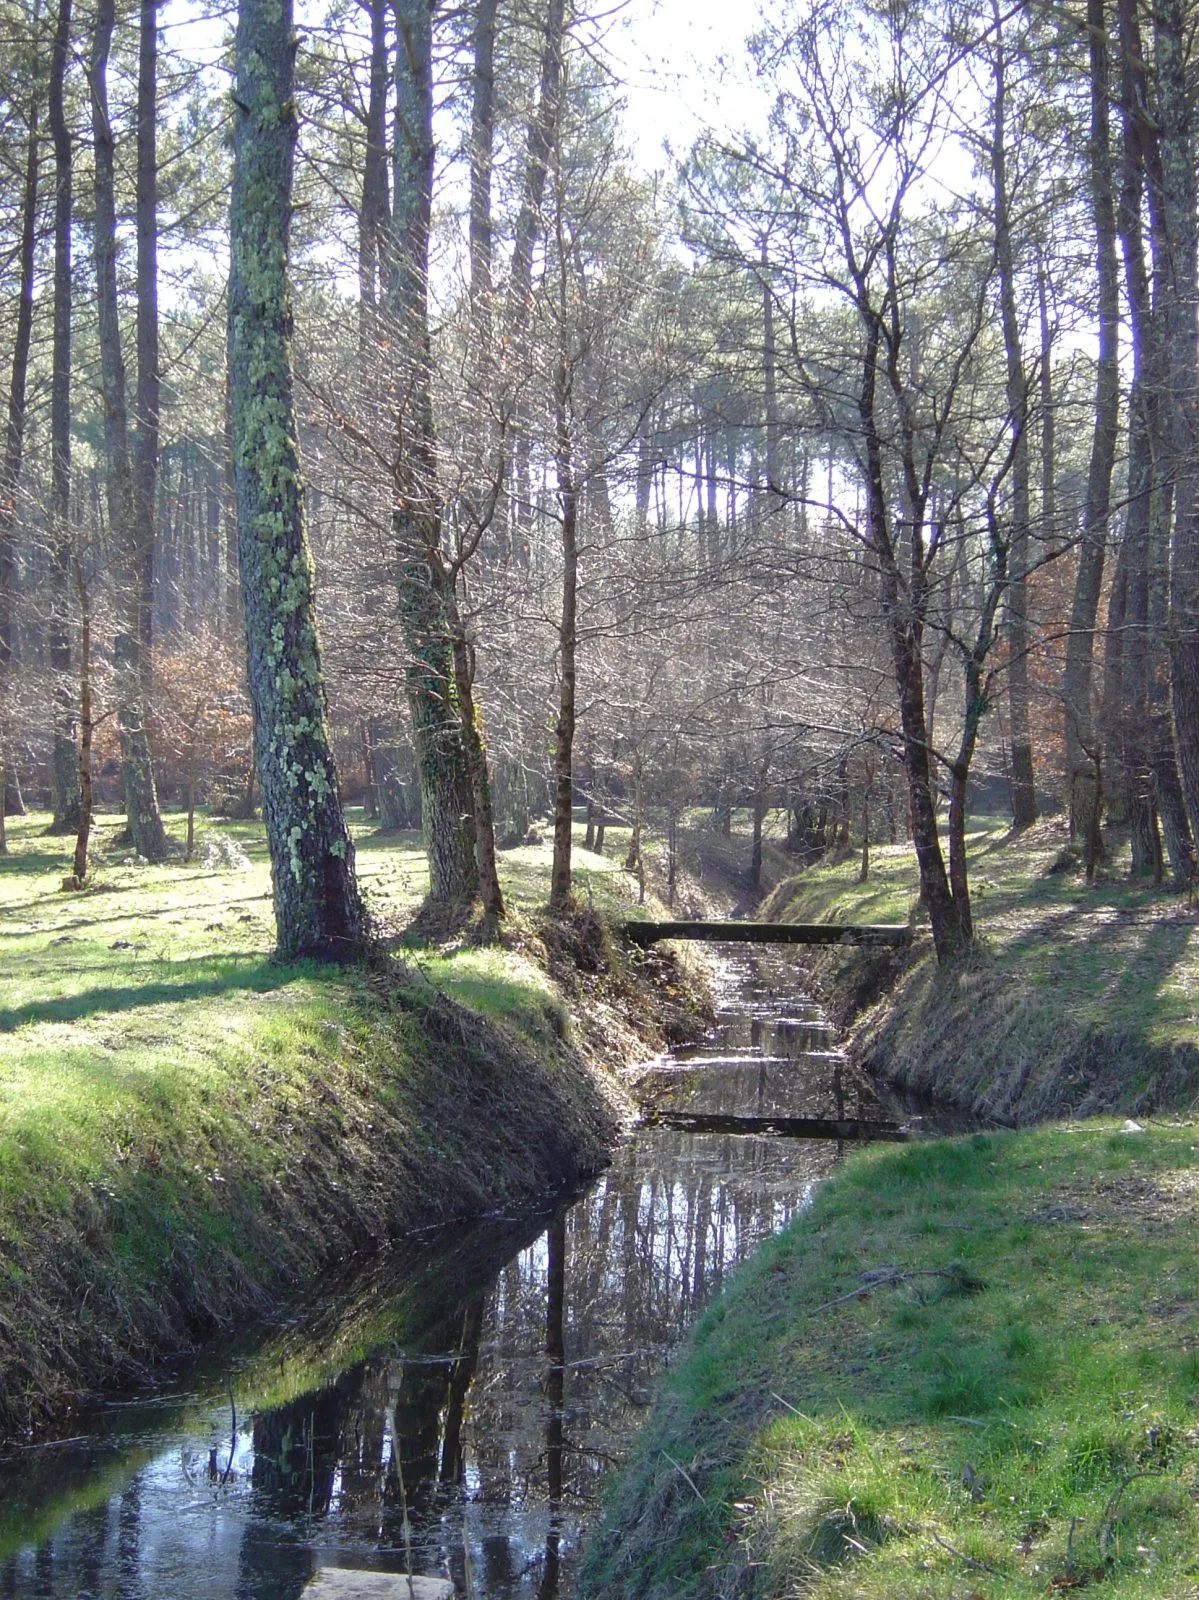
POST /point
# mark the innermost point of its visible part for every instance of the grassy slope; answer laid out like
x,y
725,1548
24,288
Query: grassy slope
x,y
187,1128
922,1442
1078,998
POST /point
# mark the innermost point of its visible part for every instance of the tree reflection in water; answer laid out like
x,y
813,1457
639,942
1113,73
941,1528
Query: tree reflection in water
x,y
511,1377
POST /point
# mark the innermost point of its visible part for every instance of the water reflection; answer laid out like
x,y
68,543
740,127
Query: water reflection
x,y
459,1414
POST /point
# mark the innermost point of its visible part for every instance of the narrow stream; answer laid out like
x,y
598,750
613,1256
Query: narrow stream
x,y
458,1410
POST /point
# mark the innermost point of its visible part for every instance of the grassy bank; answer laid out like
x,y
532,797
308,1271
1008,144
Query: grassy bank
x,y
1012,1409
189,1132
1078,999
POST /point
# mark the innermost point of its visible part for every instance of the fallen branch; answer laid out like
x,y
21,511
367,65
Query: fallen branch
x,y
1109,1516
882,1277
981,1566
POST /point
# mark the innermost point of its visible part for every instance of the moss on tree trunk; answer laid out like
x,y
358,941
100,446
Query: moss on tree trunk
x,y
317,906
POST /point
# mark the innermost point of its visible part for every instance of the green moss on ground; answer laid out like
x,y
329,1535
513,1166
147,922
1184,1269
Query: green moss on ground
x,y
1017,1415
1077,998
189,1130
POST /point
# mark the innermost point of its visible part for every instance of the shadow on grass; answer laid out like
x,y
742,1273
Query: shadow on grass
x,y
378,840
254,972
136,914
29,863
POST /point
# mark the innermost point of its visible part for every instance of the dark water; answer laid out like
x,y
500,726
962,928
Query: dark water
x,y
460,1408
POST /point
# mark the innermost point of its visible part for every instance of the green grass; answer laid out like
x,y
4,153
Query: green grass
x,y
1119,954
1019,1417
168,1091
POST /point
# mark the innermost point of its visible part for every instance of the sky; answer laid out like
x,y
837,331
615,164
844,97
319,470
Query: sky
x,y
685,69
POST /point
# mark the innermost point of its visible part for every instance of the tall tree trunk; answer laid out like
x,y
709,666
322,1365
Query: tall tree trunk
x,y
568,509
542,134
949,918
1023,782
64,766
14,448
1049,529
147,405
482,149
530,226
137,770
426,598
1175,107
1127,733
1082,739
317,907
475,753
83,825
374,207
770,387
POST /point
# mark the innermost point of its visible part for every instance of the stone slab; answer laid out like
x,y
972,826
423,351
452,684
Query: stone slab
x,y
346,1583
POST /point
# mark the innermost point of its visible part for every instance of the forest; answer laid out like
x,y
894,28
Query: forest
x,y
483,505
826,471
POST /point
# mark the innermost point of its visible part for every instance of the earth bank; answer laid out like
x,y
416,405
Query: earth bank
x,y
191,1135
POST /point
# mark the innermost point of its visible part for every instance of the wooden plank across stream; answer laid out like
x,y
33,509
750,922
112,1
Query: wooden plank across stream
x,y
785,1127
870,933
343,1583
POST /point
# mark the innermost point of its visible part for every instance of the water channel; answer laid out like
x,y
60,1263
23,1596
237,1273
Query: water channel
x,y
458,1410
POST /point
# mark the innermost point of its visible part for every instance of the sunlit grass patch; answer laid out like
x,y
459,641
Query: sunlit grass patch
x,y
1075,995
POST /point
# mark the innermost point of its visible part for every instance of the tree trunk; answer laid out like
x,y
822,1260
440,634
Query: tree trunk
x,y
774,497
84,825
755,854
192,746
1125,658
137,769
374,209
1023,784
541,138
530,226
147,406
864,869
1081,737
480,789
426,600
317,908
1049,530
482,143
14,446
1175,106
567,640
949,916
370,788
633,856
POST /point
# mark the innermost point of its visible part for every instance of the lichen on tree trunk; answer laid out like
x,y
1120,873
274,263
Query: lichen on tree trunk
x,y
317,907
